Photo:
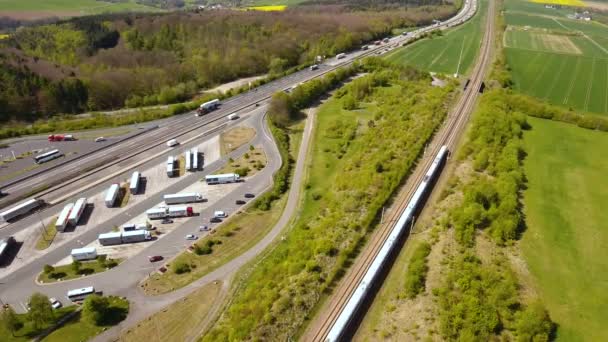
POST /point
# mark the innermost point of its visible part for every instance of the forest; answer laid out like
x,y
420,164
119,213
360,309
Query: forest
x,y
108,62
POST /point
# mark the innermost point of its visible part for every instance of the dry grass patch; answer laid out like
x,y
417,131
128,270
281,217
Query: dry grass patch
x,y
47,237
180,321
248,164
235,138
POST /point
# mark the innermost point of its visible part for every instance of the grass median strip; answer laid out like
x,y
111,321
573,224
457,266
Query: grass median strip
x,y
47,236
52,274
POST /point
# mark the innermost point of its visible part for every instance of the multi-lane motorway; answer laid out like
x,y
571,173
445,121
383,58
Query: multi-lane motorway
x,y
146,150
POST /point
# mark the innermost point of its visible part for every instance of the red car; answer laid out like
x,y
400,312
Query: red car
x,y
155,258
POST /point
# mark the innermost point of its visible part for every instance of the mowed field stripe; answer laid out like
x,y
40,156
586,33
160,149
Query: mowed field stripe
x,y
549,90
572,80
590,85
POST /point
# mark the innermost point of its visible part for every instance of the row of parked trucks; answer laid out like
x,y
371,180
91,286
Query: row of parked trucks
x,y
117,238
70,215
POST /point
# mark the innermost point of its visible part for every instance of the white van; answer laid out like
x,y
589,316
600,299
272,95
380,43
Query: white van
x,y
233,116
172,143
219,214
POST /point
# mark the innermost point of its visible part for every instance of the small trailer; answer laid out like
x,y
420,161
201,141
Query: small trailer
x,y
85,253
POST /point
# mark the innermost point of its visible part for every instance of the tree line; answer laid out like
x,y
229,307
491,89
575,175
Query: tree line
x,y
110,61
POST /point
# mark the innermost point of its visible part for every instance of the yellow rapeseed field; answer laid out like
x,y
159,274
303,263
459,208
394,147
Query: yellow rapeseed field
x,y
3,36
268,8
577,3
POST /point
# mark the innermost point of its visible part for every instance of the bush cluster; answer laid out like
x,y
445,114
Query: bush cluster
x,y
417,270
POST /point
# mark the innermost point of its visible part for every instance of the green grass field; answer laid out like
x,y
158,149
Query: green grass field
x,y
35,8
452,53
567,226
559,60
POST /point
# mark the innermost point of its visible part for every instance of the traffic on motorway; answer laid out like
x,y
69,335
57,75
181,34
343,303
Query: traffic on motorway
x,y
115,201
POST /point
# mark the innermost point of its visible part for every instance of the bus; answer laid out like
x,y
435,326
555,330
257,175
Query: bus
x,y
78,295
50,155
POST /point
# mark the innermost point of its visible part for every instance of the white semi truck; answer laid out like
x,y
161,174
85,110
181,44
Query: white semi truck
x,y
20,209
62,219
182,198
117,238
77,211
222,178
163,212
85,253
208,107
134,183
170,166
111,195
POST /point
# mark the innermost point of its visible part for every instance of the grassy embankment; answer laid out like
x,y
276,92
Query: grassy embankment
x,y
180,320
453,52
81,329
560,60
235,138
565,243
27,332
357,160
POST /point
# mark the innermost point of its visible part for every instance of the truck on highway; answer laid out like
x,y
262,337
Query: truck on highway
x,y
170,166
77,211
208,107
134,183
108,239
62,219
180,211
85,253
20,209
111,195
61,137
135,236
183,198
222,178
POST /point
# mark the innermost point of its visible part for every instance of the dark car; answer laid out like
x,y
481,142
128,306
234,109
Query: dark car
x,y
249,195
166,221
155,258
239,202
215,220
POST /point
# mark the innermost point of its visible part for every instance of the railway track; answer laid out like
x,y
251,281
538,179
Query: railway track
x,y
448,135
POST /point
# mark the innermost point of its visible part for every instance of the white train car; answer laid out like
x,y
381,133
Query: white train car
x,y
352,306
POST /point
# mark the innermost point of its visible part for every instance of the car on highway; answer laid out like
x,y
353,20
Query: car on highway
x,y
172,143
100,139
215,220
203,228
240,202
233,116
219,214
155,258
55,304
191,237
249,195
166,221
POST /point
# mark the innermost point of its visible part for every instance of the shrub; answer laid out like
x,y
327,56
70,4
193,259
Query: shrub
x,y
180,267
48,269
417,270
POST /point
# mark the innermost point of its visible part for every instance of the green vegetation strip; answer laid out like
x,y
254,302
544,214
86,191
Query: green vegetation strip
x,y
47,236
98,314
75,270
24,327
248,164
567,225
358,160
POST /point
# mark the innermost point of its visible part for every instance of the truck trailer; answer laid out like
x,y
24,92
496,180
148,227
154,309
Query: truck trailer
x,y
183,198
180,211
222,178
134,183
62,219
111,195
156,213
108,239
194,152
20,209
85,253
188,159
135,236
77,211
170,166
208,107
